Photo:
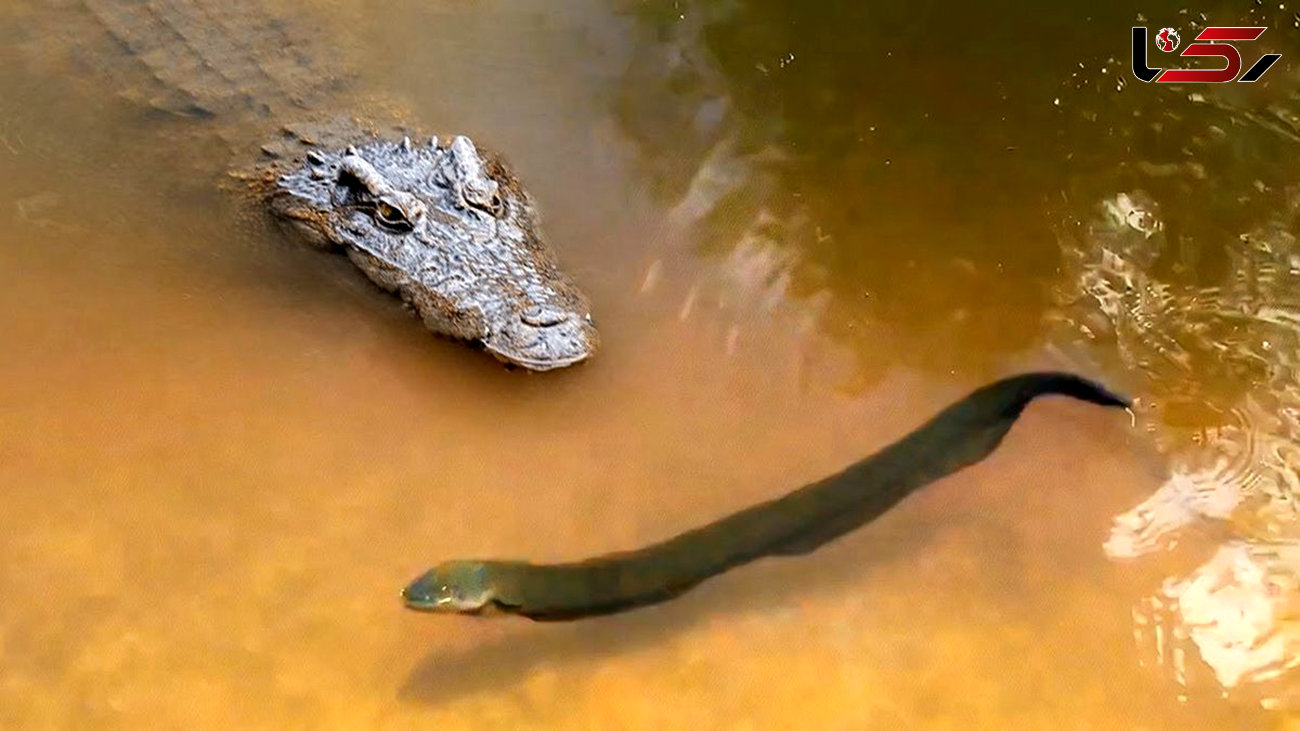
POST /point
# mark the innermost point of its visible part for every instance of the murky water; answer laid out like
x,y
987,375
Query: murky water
x,y
804,229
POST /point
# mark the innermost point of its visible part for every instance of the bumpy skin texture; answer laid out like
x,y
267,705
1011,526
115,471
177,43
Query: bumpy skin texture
x,y
449,229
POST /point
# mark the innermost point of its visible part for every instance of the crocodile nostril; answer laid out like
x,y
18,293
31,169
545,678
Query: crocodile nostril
x,y
543,316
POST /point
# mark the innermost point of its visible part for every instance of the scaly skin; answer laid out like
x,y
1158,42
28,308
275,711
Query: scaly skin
x,y
450,230
447,227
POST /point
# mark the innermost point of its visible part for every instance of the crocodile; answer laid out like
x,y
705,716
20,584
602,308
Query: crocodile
x,y
443,223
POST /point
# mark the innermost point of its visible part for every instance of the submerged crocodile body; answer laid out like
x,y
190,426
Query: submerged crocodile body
x,y
445,225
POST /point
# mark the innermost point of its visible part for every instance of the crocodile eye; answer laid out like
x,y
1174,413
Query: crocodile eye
x,y
392,217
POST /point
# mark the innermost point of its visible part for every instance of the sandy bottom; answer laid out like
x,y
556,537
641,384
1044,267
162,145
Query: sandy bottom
x,y
222,456
213,492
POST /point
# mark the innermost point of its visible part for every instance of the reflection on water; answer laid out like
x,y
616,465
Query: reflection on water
x,y
902,150
802,230
1174,210
1189,282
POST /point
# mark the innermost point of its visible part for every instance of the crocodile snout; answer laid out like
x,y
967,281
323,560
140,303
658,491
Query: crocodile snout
x,y
544,338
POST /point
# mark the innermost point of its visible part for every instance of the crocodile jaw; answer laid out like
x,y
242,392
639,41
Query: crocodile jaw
x,y
452,232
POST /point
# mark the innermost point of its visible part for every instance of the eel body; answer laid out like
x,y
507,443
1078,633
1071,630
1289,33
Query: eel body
x,y
797,523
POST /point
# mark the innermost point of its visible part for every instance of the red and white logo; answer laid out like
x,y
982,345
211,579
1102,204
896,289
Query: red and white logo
x,y
1167,39
1212,42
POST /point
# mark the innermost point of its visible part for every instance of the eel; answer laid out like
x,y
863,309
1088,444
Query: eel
x,y
795,524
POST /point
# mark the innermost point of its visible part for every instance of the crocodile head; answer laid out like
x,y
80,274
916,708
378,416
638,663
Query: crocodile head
x,y
450,230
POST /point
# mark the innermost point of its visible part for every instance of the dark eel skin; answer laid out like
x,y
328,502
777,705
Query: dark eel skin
x,y
798,523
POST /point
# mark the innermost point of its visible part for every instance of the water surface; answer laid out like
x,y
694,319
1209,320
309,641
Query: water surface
x,y
803,232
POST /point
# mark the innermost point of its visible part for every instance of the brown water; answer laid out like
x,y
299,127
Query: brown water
x,y
222,455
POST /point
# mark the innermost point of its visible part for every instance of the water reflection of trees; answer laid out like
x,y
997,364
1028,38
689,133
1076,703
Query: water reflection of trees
x,y
926,153
956,184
